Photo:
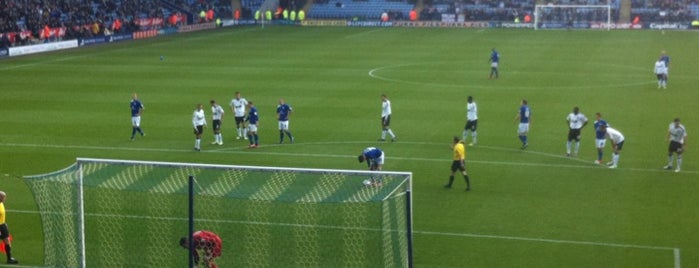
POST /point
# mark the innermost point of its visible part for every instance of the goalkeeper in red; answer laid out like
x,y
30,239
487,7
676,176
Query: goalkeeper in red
x,y
207,243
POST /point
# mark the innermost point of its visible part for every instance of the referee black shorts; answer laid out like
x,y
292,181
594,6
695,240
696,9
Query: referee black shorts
x,y
4,231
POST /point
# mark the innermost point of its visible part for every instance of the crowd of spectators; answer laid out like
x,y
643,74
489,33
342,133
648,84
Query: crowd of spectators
x,y
24,21
508,10
664,10
27,19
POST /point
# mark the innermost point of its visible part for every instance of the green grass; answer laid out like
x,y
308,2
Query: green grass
x,y
532,208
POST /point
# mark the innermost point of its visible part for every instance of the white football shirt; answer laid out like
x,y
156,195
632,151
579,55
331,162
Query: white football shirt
x,y
217,112
386,108
660,67
576,121
198,118
677,134
471,111
615,135
238,106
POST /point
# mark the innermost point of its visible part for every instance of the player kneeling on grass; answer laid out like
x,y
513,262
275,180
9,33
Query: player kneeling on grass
x,y
374,158
206,242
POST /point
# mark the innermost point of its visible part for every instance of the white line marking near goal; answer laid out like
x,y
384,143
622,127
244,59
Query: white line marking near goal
x,y
676,251
244,150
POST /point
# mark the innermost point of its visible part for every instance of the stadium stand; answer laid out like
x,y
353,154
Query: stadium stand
x,y
665,10
366,9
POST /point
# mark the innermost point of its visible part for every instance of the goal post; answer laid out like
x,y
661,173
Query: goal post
x,y
124,213
569,16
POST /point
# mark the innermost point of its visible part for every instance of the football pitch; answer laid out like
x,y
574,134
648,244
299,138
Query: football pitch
x,y
527,208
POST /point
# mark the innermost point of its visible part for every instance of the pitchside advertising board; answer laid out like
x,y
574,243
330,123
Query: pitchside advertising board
x,y
26,50
104,39
4,53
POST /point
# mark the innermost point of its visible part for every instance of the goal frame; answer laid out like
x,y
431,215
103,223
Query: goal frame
x,y
80,202
538,8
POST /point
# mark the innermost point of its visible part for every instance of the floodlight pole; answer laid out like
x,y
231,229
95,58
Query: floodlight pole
x,y
190,233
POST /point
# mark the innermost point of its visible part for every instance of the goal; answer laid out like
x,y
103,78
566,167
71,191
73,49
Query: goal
x,y
122,213
572,16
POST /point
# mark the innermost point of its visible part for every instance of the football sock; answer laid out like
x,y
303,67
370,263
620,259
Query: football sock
x,y
615,159
577,147
383,134
521,138
250,139
568,147
474,134
133,132
390,132
679,161
245,131
669,160
468,183
240,132
257,139
465,135
281,136
197,143
451,180
599,155
8,251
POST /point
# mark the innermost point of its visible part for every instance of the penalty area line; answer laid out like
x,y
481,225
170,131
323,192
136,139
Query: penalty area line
x,y
675,251
242,150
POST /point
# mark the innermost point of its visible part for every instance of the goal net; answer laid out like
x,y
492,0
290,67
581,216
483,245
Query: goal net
x,y
120,213
572,16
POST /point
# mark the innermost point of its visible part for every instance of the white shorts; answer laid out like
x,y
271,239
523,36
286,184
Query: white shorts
x,y
377,161
600,143
252,128
494,65
136,121
523,128
284,125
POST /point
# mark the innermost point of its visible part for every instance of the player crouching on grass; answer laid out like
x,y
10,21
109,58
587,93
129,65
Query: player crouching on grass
x,y
207,242
374,158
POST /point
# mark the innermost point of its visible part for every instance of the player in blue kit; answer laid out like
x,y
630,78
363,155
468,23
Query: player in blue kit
x,y
665,59
523,116
283,112
494,61
252,125
373,156
600,140
136,111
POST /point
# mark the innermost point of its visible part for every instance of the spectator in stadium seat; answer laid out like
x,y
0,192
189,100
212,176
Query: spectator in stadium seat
x,y
413,15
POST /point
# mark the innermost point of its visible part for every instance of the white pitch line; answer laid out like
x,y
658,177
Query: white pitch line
x,y
546,240
501,237
244,150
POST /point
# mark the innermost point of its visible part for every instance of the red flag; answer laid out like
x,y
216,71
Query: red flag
x,y
2,244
